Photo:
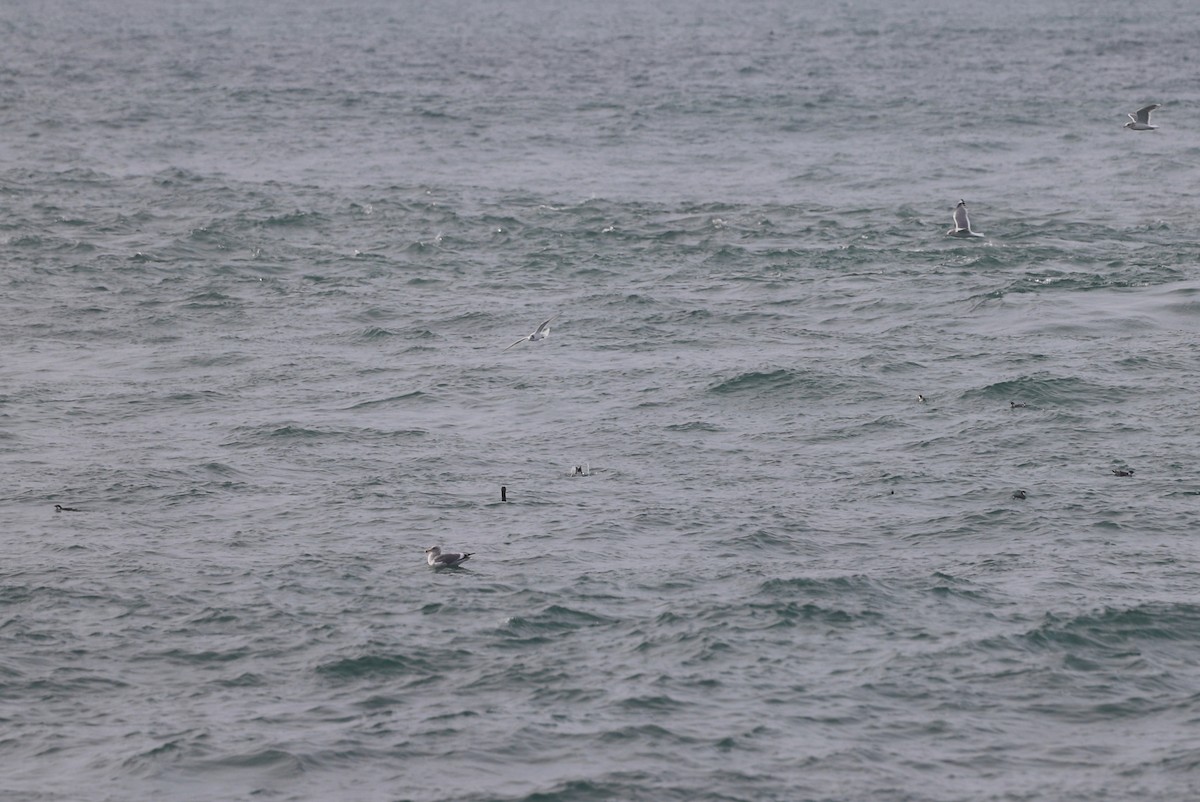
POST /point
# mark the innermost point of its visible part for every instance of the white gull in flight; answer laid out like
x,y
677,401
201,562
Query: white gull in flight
x,y
962,223
1140,119
539,334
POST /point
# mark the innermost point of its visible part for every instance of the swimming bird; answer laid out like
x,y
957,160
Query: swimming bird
x,y
540,333
1015,405
1119,472
435,557
61,508
1019,494
1140,119
962,223
920,398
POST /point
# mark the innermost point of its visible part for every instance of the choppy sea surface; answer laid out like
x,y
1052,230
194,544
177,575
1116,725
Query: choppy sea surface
x,y
259,263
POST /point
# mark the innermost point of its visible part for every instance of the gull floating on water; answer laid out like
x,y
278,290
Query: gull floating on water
x,y
1140,119
962,224
435,557
539,334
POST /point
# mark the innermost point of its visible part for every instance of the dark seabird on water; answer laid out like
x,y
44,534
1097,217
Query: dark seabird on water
x,y
1015,405
61,508
449,559
1019,494
1120,472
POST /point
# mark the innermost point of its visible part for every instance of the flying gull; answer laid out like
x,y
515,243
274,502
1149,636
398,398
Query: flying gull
x,y
435,557
1140,119
539,334
962,224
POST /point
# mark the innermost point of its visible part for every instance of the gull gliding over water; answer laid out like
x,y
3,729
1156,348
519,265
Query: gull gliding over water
x,y
539,334
1140,119
962,224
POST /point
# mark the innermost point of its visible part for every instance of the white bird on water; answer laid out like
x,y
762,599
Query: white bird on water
x,y
539,334
962,223
1140,119
449,559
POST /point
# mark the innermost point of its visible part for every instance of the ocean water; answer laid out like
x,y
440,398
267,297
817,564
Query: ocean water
x,y
259,264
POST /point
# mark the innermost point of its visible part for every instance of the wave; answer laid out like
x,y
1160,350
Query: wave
x,y
756,382
551,622
1049,391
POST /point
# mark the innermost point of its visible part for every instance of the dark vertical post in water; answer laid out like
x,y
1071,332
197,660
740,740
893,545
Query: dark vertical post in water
x,y
503,493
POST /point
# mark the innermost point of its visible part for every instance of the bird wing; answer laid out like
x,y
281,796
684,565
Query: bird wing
x,y
546,323
1143,114
961,221
518,342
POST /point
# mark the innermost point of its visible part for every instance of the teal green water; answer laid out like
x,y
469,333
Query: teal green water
x,y
260,267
